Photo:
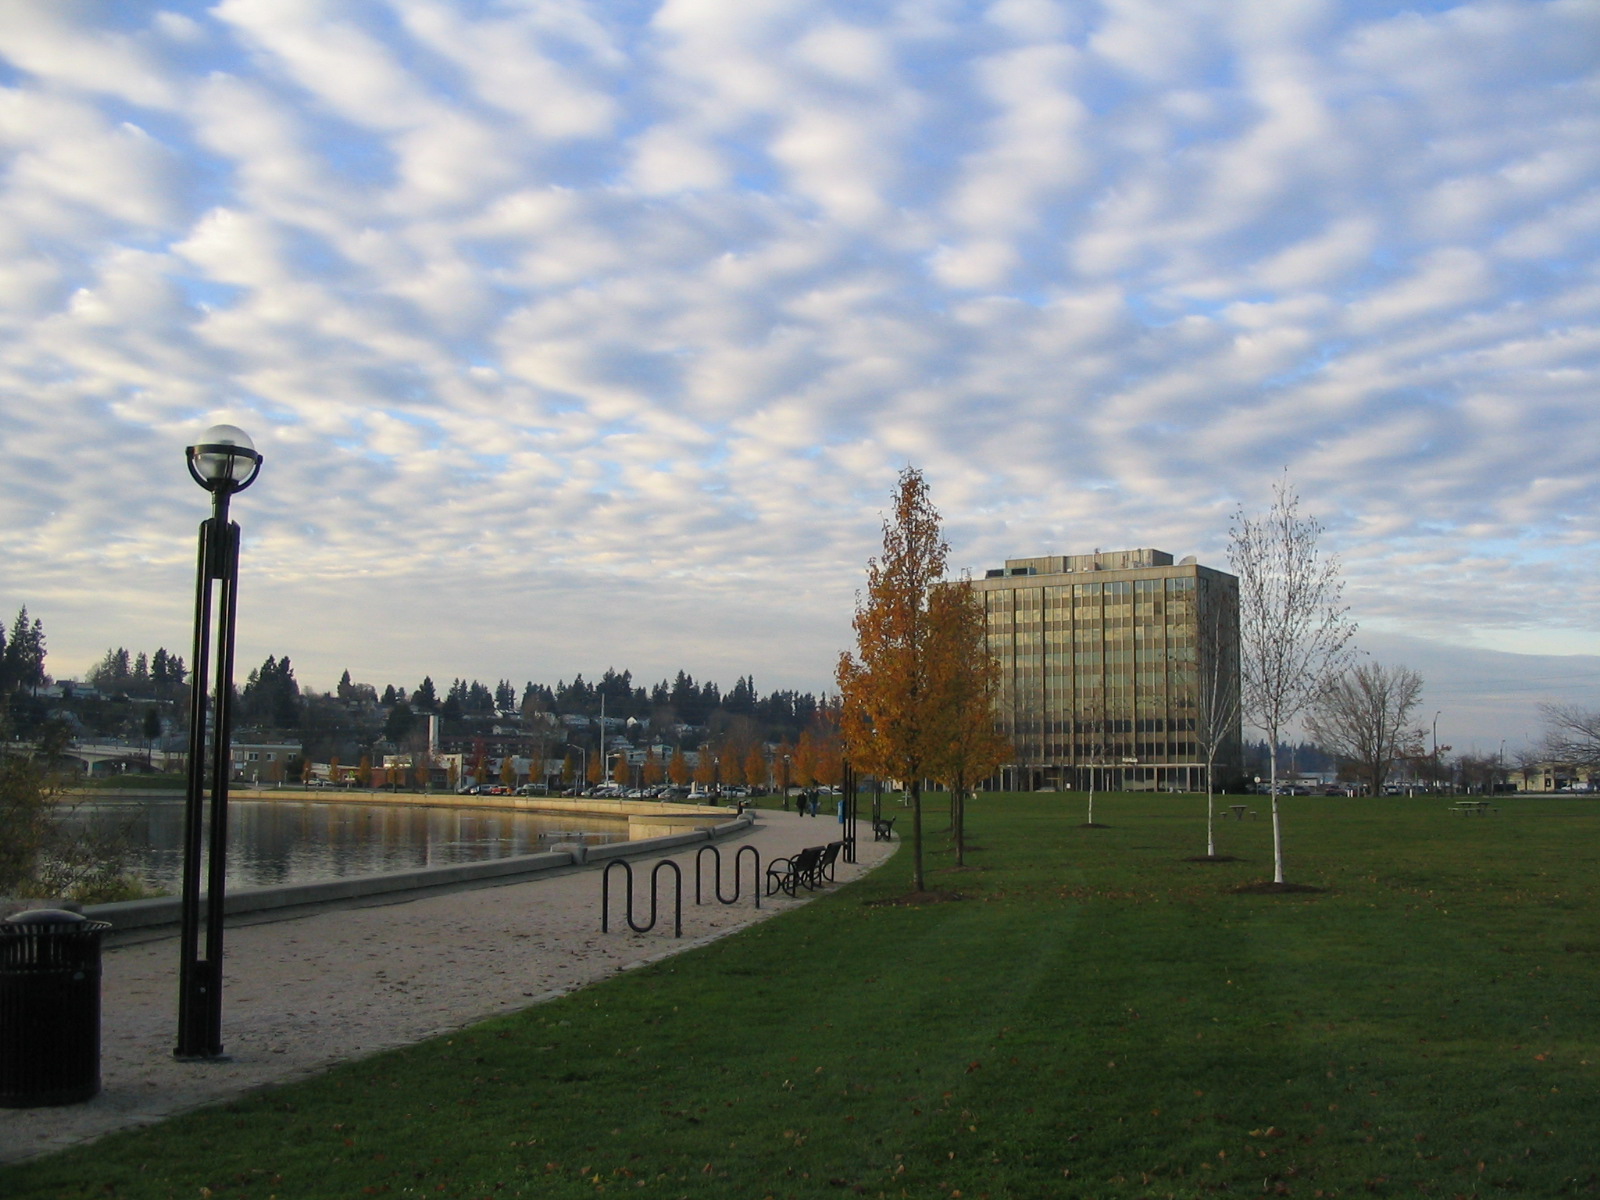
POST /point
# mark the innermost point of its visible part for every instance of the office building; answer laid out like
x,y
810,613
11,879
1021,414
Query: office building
x,y
1109,662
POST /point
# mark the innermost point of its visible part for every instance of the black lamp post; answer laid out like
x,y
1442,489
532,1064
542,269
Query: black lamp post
x,y
223,462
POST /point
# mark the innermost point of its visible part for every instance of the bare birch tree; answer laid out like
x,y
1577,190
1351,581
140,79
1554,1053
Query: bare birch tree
x,y
1092,723
1362,717
1294,627
1215,692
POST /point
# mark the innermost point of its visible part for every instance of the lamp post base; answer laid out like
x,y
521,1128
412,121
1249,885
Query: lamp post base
x,y
200,1018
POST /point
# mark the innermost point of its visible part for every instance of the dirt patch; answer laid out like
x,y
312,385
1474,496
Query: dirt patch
x,y
1274,889
1214,858
915,899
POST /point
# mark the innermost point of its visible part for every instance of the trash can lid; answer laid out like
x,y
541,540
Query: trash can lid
x,y
46,916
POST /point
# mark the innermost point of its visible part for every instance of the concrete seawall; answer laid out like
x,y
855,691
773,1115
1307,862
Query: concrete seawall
x,y
144,917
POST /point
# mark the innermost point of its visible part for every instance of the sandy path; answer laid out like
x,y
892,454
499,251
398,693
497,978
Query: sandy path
x,y
303,994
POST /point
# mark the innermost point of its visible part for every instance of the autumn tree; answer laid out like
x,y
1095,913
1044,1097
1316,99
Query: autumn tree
x,y
964,679
732,770
654,772
678,768
886,689
803,761
829,763
703,770
1363,718
755,766
1294,627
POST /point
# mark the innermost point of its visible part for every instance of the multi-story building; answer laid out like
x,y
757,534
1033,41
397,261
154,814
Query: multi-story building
x,y
1116,663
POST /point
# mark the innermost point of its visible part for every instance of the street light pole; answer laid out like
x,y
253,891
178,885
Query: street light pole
x,y
1436,781
225,461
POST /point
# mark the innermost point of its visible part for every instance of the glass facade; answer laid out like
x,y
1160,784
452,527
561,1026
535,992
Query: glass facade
x,y
1106,661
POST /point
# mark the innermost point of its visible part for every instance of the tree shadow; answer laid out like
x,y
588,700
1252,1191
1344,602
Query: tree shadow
x,y
1275,889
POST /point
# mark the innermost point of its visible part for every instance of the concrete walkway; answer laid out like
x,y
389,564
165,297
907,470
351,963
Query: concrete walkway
x,y
302,994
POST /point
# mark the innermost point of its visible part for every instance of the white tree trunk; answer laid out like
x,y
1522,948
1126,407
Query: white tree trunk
x,y
1211,815
1277,827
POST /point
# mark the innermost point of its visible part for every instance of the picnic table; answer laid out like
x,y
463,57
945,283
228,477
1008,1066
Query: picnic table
x,y
1238,811
1473,808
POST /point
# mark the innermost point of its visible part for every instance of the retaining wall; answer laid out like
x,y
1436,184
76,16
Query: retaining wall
x,y
153,915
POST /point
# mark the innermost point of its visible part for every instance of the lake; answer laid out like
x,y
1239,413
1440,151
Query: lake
x,y
272,843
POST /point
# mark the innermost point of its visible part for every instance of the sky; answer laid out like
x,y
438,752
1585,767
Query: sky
x,y
580,335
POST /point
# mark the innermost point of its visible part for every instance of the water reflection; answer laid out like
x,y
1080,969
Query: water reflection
x,y
276,842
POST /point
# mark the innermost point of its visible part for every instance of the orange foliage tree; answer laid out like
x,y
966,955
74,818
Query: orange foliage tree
x,y
803,767
654,772
755,766
886,688
966,746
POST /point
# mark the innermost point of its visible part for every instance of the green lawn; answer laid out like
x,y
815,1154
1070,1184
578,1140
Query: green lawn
x,y
1095,1017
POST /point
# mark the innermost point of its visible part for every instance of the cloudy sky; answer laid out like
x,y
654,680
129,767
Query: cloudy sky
x,y
586,334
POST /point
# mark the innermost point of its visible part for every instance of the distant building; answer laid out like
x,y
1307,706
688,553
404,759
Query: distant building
x,y
1102,658
1555,777
265,762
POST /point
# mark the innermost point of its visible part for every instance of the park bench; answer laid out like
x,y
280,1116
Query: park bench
x,y
788,874
883,829
824,871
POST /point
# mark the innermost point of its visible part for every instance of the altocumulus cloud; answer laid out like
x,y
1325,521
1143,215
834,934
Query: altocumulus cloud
x,y
580,334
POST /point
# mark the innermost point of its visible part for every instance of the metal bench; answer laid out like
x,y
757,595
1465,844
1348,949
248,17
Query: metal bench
x,y
824,871
788,874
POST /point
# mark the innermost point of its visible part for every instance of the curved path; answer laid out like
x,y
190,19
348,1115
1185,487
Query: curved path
x,y
302,994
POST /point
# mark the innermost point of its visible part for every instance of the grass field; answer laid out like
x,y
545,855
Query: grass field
x,y
1095,1016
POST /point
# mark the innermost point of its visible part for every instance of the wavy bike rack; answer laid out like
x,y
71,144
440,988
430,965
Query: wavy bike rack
x,y
605,897
716,876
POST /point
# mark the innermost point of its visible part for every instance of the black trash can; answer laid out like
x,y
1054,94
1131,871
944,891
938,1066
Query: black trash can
x,y
49,1008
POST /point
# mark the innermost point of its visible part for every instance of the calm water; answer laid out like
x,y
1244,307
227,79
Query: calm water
x,y
277,842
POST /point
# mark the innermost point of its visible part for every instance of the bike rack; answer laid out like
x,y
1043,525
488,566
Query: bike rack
x,y
716,863
605,896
